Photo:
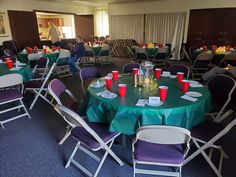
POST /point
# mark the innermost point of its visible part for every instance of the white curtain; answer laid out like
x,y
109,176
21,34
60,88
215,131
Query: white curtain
x,y
101,22
127,27
166,28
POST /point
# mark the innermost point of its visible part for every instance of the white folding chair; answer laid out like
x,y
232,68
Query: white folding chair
x,y
104,54
209,134
162,146
41,68
88,57
62,69
38,87
90,137
9,95
56,88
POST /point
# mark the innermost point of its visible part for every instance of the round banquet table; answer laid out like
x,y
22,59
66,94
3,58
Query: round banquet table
x,y
52,56
24,70
124,116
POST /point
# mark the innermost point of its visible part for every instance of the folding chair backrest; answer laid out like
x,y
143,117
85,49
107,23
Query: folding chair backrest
x,y
42,62
74,120
56,88
8,52
229,59
11,57
10,80
179,68
162,134
105,50
204,57
128,68
221,87
187,55
130,51
89,72
10,45
88,51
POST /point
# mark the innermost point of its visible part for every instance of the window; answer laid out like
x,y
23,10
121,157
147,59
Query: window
x,y
101,22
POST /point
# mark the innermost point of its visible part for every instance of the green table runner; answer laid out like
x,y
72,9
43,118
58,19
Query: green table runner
x,y
25,71
124,116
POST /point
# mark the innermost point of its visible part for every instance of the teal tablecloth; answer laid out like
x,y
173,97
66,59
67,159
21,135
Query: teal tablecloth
x,y
23,57
124,116
25,71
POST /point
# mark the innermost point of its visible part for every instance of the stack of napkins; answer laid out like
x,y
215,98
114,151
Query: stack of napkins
x,y
141,102
188,98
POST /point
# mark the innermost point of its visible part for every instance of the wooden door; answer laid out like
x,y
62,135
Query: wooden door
x,y
84,26
24,28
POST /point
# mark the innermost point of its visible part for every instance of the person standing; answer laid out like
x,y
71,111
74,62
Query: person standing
x,y
54,34
76,53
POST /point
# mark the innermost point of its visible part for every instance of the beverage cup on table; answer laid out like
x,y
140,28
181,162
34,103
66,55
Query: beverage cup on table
x,y
9,64
122,89
108,82
115,75
135,71
185,85
180,76
158,73
163,92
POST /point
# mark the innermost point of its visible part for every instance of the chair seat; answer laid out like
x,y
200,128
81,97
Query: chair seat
x,y
159,153
35,84
101,129
206,130
7,95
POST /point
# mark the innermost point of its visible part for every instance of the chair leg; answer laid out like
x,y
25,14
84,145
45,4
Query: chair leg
x,y
72,155
25,109
134,166
113,154
65,137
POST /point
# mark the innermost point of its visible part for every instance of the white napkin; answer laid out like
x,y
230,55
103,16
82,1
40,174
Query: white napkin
x,y
195,85
141,102
15,69
173,76
188,98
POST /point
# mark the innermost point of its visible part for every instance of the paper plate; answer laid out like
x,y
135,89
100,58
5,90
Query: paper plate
x,y
193,94
97,84
109,95
159,104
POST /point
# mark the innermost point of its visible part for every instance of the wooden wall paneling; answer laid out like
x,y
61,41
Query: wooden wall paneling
x,y
24,27
84,26
212,26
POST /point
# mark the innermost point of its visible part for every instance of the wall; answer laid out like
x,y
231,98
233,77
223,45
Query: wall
x,y
168,6
29,5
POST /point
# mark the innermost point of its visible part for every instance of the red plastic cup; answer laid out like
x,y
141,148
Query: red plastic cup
x,y
185,85
9,64
158,73
108,82
163,92
29,50
44,51
135,71
180,76
122,89
115,75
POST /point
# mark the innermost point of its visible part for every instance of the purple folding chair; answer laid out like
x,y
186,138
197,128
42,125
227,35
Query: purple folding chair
x,y
221,87
128,68
56,88
179,68
41,68
162,146
8,94
208,135
90,137
88,73
12,57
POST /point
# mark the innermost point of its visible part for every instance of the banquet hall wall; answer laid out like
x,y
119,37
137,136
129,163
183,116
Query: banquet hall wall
x,y
168,6
30,5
